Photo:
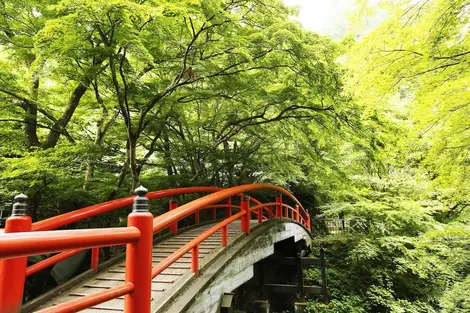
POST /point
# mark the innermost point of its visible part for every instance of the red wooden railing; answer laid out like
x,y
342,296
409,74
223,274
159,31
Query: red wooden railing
x,y
94,210
21,238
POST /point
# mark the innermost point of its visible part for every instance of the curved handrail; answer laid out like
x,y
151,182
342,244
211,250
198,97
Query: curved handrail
x,y
219,206
172,258
15,245
270,204
254,200
224,206
207,202
96,209
93,210
165,220
30,270
100,208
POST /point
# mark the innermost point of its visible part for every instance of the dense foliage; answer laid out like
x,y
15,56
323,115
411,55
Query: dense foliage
x,y
407,249
99,96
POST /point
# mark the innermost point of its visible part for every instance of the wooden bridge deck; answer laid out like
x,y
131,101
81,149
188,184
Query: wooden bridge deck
x,y
173,277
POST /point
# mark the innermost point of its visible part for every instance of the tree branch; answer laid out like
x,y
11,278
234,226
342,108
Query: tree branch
x,y
62,132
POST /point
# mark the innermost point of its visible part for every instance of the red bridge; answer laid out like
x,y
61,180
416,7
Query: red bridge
x,y
161,273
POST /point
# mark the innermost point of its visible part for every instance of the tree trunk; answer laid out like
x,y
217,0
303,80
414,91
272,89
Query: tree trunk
x,y
229,165
30,119
121,178
167,154
90,171
133,161
31,116
62,122
101,128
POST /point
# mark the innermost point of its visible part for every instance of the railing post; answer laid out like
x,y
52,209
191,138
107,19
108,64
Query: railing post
x,y
279,206
13,271
139,256
95,258
195,260
225,236
197,217
229,209
260,215
245,220
174,226
324,284
297,214
309,226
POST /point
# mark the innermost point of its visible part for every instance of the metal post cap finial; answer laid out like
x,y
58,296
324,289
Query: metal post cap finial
x,y
245,197
20,207
141,202
141,191
21,197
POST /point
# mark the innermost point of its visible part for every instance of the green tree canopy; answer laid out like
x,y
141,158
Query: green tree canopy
x,y
99,95
417,62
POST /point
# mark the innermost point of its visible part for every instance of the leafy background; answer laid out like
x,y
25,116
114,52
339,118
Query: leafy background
x,y
97,97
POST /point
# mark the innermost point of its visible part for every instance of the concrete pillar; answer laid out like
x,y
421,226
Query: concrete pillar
x,y
261,306
299,307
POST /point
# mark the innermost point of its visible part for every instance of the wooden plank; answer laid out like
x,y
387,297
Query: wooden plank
x,y
182,240
101,308
177,245
111,279
213,237
167,254
158,260
313,290
284,288
116,271
162,281
96,286
163,250
76,294
172,272
107,308
293,261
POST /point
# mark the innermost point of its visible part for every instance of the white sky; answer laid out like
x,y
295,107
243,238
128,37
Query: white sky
x,y
326,17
